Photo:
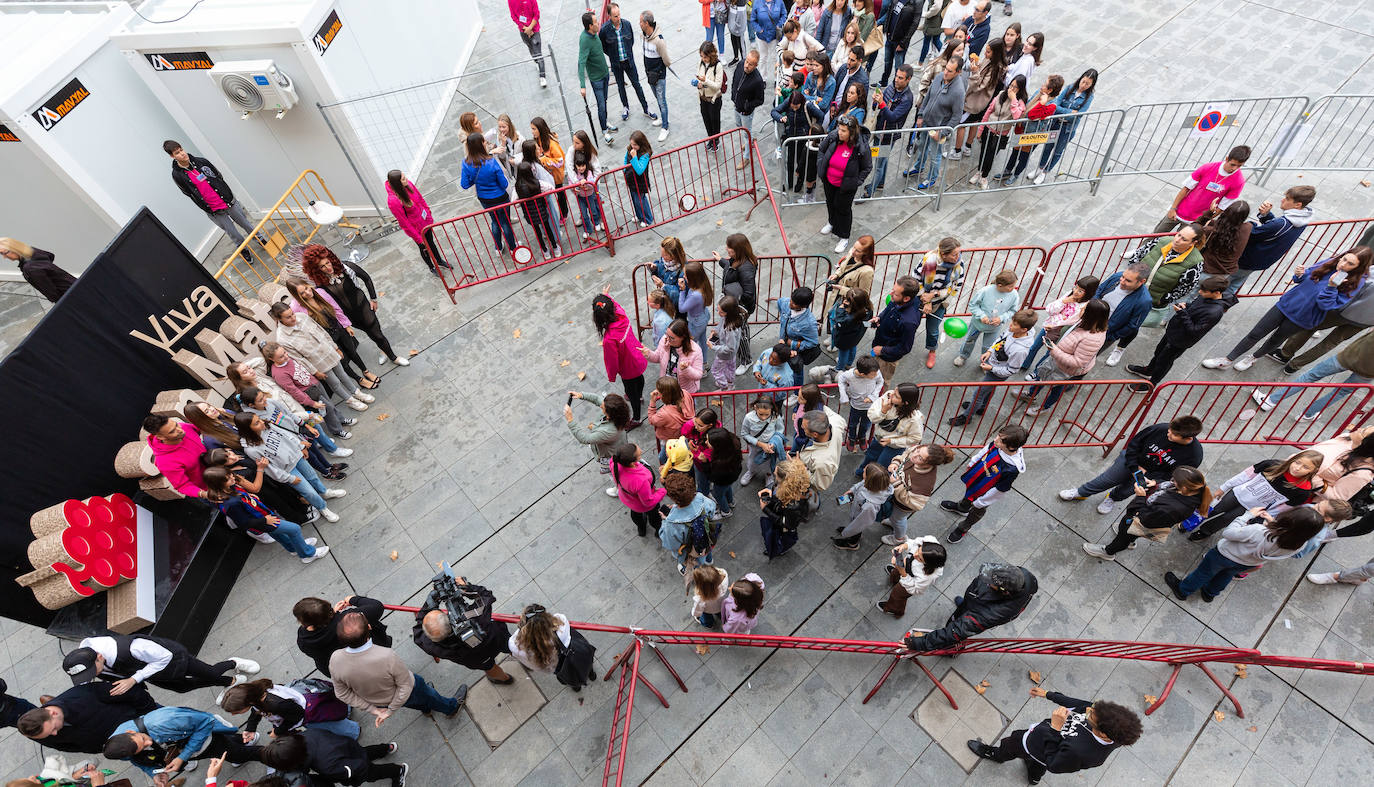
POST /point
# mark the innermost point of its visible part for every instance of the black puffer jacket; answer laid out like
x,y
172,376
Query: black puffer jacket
x,y
182,177
860,161
483,657
981,609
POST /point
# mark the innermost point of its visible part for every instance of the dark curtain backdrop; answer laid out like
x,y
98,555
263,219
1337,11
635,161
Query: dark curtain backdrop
x,y
75,391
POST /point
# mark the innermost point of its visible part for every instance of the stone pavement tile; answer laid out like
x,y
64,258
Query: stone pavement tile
x,y
516,758
499,710
769,685
1361,714
1131,605
824,757
1258,773
1214,758
676,723
1299,733
804,711
1167,732
1124,768
1348,753
669,774
553,770
1354,626
753,763
714,741
878,763
934,766
457,535
1262,695
1334,691
440,767
366,552
1293,634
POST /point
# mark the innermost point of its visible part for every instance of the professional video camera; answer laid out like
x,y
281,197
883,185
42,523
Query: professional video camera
x,y
466,607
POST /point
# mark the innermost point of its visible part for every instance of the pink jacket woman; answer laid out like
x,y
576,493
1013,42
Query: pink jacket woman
x,y
621,349
414,219
635,486
180,463
1076,353
689,365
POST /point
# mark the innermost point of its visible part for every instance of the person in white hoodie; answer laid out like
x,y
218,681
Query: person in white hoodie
x,y
1249,541
285,454
915,565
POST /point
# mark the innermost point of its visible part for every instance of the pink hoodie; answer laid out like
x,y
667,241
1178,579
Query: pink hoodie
x,y
636,487
413,219
522,11
689,367
621,348
180,463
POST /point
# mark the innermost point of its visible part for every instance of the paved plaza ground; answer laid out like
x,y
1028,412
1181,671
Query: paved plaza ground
x,y
475,466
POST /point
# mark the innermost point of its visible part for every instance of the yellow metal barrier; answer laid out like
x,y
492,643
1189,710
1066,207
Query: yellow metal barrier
x,y
252,263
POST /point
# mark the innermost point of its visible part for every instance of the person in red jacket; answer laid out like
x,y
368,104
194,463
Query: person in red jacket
x,y
525,15
637,487
408,205
1041,107
624,355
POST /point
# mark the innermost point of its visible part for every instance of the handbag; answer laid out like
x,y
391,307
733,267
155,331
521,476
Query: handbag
x,y
876,40
719,12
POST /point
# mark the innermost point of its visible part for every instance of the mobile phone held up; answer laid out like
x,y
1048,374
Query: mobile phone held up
x,y
570,398
1139,477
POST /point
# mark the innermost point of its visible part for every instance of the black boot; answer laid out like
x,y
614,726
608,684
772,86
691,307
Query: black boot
x,y
960,530
982,749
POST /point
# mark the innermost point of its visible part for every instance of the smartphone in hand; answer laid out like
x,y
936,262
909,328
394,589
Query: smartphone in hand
x,y
1139,477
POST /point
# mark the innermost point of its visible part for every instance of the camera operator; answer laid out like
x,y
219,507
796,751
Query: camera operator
x,y
435,634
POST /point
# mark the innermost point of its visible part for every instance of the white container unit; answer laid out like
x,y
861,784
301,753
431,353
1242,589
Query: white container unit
x,y
80,136
322,52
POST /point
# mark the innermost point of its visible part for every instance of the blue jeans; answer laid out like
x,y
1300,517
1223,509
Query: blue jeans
x,y
1117,477
929,156
1324,368
1052,397
718,28
893,59
879,171
599,90
325,441
500,221
877,452
1212,575
845,358
980,400
641,206
985,337
724,495
310,486
856,428
660,89
626,68
348,728
425,699
288,534
1050,155
758,457
1031,361
927,44
933,321
591,212
1237,279
703,483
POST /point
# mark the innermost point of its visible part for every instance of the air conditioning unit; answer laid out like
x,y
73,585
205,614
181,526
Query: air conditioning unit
x,y
255,86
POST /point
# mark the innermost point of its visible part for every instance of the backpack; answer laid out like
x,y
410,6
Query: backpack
x,y
701,535
320,702
1362,501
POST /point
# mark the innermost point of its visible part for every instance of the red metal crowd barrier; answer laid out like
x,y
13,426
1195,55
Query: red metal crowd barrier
x,y
1321,240
981,266
1230,416
777,276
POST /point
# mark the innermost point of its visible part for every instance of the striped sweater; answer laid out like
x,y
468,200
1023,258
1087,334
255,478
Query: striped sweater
x,y
990,474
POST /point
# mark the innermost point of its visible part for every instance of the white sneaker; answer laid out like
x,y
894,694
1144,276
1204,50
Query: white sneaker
x,y
1306,417
246,666
892,540
607,136
543,82
1033,174
611,492
1033,411
329,516
363,396
1261,400
742,369
312,541
1114,357
585,236
334,494
319,553
1098,551
826,230
973,179
262,538
662,135
341,452
655,122
1039,178
1106,506
1322,579
747,475
401,360
383,360
1070,495
1244,362
355,404
958,360
842,245
344,435
1217,363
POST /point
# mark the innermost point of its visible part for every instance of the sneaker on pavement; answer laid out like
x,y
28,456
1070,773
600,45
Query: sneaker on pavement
x,y
1277,357
334,494
329,516
742,369
355,404
1070,495
1138,387
930,359
959,360
400,780
246,666
1138,370
543,82
1306,417
312,541
662,135
746,476
1322,579
841,245
1106,506
1098,551
1244,362
363,396
1033,411
826,230
611,492
344,435
1039,178
262,538
1262,400
319,553
1217,363
892,540
1115,357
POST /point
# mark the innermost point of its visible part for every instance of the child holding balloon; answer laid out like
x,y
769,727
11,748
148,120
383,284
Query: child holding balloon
x,y
991,310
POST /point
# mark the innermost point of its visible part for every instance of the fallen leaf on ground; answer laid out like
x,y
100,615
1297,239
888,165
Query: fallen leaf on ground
x,y
516,333
1035,676
984,684
1364,183
414,353
732,554
720,222
395,554
1151,699
702,650
381,294
581,375
1252,729
383,416
603,270
1218,715
578,276
563,363
1240,671
981,689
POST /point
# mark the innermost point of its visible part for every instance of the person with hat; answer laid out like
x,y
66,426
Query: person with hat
x,y
161,742
82,718
128,661
996,596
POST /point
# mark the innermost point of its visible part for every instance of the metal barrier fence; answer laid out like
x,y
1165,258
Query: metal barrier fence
x,y
981,266
1179,136
1329,135
259,259
415,128
1308,413
1083,141
800,159
778,275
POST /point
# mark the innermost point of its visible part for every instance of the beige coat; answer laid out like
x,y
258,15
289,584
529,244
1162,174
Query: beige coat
x,y
854,276
709,80
908,430
307,340
822,461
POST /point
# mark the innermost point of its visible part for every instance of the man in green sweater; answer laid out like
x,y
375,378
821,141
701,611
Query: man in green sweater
x,y
591,65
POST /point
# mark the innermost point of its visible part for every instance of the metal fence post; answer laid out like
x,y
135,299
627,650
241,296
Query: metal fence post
x,y
351,163
558,83
1290,134
1107,154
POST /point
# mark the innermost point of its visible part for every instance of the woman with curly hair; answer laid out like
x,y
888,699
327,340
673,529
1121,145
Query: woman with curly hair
x,y
784,507
344,281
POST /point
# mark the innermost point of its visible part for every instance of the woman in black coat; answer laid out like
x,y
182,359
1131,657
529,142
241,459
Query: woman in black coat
x,y
739,279
843,166
344,281
37,268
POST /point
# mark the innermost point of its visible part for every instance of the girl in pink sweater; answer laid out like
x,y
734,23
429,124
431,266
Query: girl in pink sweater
x,y
637,487
620,348
412,212
1073,356
677,355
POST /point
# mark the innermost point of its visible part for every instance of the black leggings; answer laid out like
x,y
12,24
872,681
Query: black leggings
x,y
1362,526
1226,509
992,145
374,332
425,255
375,771
198,675
652,517
801,165
349,348
710,116
634,392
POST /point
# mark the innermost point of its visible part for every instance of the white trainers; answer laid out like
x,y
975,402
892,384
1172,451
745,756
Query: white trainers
x,y
383,360
334,494
1106,506
747,475
401,360
841,245
1322,579
826,230
608,137
329,516
1039,178
1244,362
959,360
611,492
662,135
742,368
1033,411
262,538
363,396
319,553
892,540
1098,551
246,666
1070,495
543,82
1217,363
1114,357
312,541
1033,174
1261,400
341,452
355,404
655,122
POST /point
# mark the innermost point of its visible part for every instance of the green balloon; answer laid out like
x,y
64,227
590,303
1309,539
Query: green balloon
x,y
956,327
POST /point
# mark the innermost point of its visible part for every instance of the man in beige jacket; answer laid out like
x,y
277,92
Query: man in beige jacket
x,y
822,455
374,679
